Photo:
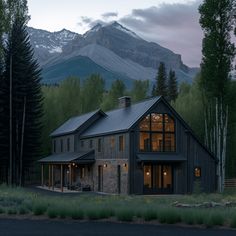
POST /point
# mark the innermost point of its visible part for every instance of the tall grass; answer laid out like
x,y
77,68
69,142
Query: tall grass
x,y
122,208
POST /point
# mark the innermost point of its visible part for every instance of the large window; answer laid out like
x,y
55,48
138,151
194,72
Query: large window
x,y
157,133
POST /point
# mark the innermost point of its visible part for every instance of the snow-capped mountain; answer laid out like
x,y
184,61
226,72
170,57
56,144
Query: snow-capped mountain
x,y
111,50
46,44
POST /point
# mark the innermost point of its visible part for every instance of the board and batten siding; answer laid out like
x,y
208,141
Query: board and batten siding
x,y
64,139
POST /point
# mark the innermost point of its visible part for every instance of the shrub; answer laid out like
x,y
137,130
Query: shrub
x,y
188,217
39,208
2,210
22,210
12,211
52,212
169,216
150,215
214,219
77,214
233,222
124,215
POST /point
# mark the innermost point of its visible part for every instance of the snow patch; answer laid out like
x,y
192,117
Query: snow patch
x,y
56,50
121,28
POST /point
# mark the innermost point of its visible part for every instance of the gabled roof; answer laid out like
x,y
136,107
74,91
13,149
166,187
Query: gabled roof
x,y
68,157
121,119
74,123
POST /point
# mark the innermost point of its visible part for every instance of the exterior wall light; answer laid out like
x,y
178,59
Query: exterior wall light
x,y
165,173
124,165
105,165
147,173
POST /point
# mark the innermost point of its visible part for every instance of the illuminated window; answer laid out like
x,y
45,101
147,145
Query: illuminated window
x,y
112,142
157,133
197,172
121,143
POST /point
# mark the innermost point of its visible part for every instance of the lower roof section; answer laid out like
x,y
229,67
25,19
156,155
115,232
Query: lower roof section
x,y
163,157
70,157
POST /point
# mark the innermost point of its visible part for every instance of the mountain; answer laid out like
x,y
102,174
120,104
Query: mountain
x,y
111,50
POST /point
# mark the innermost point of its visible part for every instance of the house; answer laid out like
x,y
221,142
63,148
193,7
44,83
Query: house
x,y
142,148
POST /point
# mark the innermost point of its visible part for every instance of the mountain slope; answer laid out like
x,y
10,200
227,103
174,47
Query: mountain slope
x,y
81,67
114,48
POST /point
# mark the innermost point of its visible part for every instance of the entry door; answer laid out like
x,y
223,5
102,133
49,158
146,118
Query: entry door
x,y
158,178
100,178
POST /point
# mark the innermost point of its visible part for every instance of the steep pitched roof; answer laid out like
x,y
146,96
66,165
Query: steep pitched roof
x,y
121,119
74,123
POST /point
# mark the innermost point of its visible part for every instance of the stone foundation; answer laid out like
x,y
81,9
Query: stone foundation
x,y
109,183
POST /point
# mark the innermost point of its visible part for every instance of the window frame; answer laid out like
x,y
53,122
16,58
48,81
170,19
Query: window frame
x,y
121,143
99,145
68,144
163,132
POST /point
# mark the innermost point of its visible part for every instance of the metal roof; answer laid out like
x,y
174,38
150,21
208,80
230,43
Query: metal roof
x,y
68,157
120,119
73,124
173,157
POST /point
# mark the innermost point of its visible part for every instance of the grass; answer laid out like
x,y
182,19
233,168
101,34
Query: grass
x,y
122,208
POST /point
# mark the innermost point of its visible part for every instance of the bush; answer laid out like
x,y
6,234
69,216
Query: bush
x,y
188,217
150,215
22,210
52,212
76,214
11,211
39,208
214,219
233,222
169,216
125,215
2,210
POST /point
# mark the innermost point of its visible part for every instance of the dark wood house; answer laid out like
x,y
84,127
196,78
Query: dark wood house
x,y
142,148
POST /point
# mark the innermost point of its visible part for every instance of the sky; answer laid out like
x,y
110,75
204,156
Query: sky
x,y
170,23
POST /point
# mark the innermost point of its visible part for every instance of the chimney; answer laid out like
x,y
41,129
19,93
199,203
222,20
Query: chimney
x,y
124,102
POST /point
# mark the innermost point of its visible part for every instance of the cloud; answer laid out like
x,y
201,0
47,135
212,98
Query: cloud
x,y
109,15
174,26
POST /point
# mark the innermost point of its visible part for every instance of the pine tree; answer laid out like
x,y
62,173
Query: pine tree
x,y
172,86
26,102
161,86
218,52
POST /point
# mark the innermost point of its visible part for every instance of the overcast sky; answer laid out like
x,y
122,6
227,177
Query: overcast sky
x,y
170,23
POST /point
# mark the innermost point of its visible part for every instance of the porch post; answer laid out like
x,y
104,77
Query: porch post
x,y
70,181
42,177
62,174
52,177
49,176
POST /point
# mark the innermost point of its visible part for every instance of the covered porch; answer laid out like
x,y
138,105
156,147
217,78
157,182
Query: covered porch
x,y
71,171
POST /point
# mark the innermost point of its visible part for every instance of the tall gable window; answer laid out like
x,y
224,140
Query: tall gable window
x,y
68,144
54,145
157,133
61,145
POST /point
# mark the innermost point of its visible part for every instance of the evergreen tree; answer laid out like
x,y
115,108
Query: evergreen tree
x,y
110,99
92,93
139,90
26,97
172,86
218,52
161,81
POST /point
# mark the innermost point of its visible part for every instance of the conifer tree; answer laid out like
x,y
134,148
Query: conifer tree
x,y
161,81
26,102
172,86
218,51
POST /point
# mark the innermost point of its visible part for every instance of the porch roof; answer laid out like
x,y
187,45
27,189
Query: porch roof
x,y
165,157
68,157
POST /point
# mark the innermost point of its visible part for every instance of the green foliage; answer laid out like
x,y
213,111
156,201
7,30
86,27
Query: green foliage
x,y
125,215
139,90
26,104
92,93
189,100
233,221
172,91
110,100
161,82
